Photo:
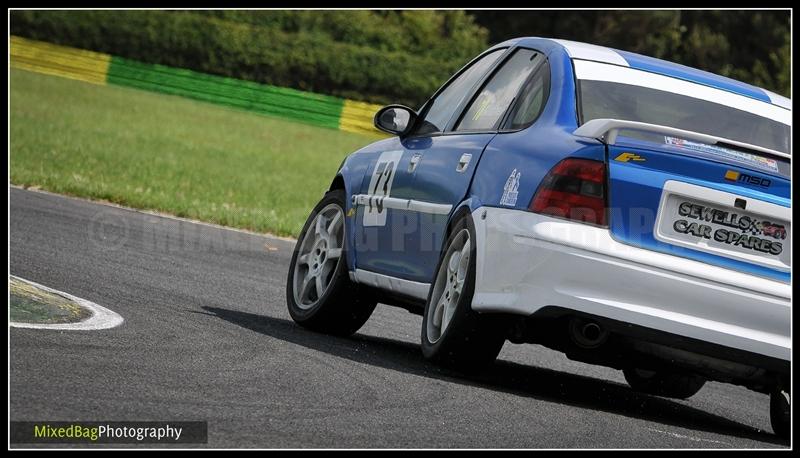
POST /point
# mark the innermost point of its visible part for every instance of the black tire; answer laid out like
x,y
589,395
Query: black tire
x,y
470,341
343,307
779,414
669,385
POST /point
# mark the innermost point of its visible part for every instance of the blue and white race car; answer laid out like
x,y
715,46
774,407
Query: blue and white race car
x,y
627,211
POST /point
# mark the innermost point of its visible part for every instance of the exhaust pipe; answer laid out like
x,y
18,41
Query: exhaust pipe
x,y
586,333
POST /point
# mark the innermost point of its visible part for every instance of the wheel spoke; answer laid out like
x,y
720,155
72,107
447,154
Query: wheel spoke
x,y
320,229
333,225
439,311
307,242
452,265
334,253
458,285
305,287
320,285
303,259
448,313
465,254
463,267
326,269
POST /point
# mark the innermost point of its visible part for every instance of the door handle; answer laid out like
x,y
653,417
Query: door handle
x,y
463,162
414,161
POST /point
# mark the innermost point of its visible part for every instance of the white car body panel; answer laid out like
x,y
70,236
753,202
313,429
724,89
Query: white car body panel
x,y
527,261
598,71
586,51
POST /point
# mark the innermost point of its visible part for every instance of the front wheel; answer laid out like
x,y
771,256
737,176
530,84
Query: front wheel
x,y
452,333
319,293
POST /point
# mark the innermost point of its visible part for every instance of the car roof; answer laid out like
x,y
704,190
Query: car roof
x,y
586,51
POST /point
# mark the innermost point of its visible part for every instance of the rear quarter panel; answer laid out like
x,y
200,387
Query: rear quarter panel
x,y
535,150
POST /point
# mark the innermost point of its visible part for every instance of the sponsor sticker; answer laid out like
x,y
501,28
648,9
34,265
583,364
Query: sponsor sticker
x,y
626,157
730,228
739,156
733,175
511,189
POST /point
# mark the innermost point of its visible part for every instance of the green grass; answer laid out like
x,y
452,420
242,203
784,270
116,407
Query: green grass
x,y
169,154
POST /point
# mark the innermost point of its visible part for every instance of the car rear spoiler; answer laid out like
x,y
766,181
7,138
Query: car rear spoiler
x,y
607,129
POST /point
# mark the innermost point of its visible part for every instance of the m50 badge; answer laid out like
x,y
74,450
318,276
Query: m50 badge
x,y
732,175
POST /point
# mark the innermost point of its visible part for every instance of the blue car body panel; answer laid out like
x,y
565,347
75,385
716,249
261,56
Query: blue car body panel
x,y
636,189
352,172
437,181
408,246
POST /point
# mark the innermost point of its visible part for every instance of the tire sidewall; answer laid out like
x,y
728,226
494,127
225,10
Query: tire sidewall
x,y
780,414
297,313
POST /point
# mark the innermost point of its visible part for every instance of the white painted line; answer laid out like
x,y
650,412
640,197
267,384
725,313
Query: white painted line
x,y
154,213
683,436
101,318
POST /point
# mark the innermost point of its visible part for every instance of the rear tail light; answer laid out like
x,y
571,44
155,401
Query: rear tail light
x,y
573,189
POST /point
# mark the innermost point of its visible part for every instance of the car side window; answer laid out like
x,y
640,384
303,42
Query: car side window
x,y
487,109
531,100
445,104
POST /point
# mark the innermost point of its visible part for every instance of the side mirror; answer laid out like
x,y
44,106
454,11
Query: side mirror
x,y
395,119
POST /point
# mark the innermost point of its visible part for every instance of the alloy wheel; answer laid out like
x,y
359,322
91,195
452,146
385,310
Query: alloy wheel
x,y
449,285
319,256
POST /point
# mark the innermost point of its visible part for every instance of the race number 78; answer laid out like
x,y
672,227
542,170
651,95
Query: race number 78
x,y
380,187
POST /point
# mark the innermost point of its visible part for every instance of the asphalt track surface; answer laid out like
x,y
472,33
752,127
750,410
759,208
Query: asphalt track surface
x,y
207,337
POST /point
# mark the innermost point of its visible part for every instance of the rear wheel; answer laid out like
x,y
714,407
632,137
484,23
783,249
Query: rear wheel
x,y
779,413
680,386
319,293
452,333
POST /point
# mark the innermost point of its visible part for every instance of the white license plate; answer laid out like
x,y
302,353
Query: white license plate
x,y
724,230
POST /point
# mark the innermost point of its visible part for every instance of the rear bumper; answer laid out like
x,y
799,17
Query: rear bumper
x,y
528,261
